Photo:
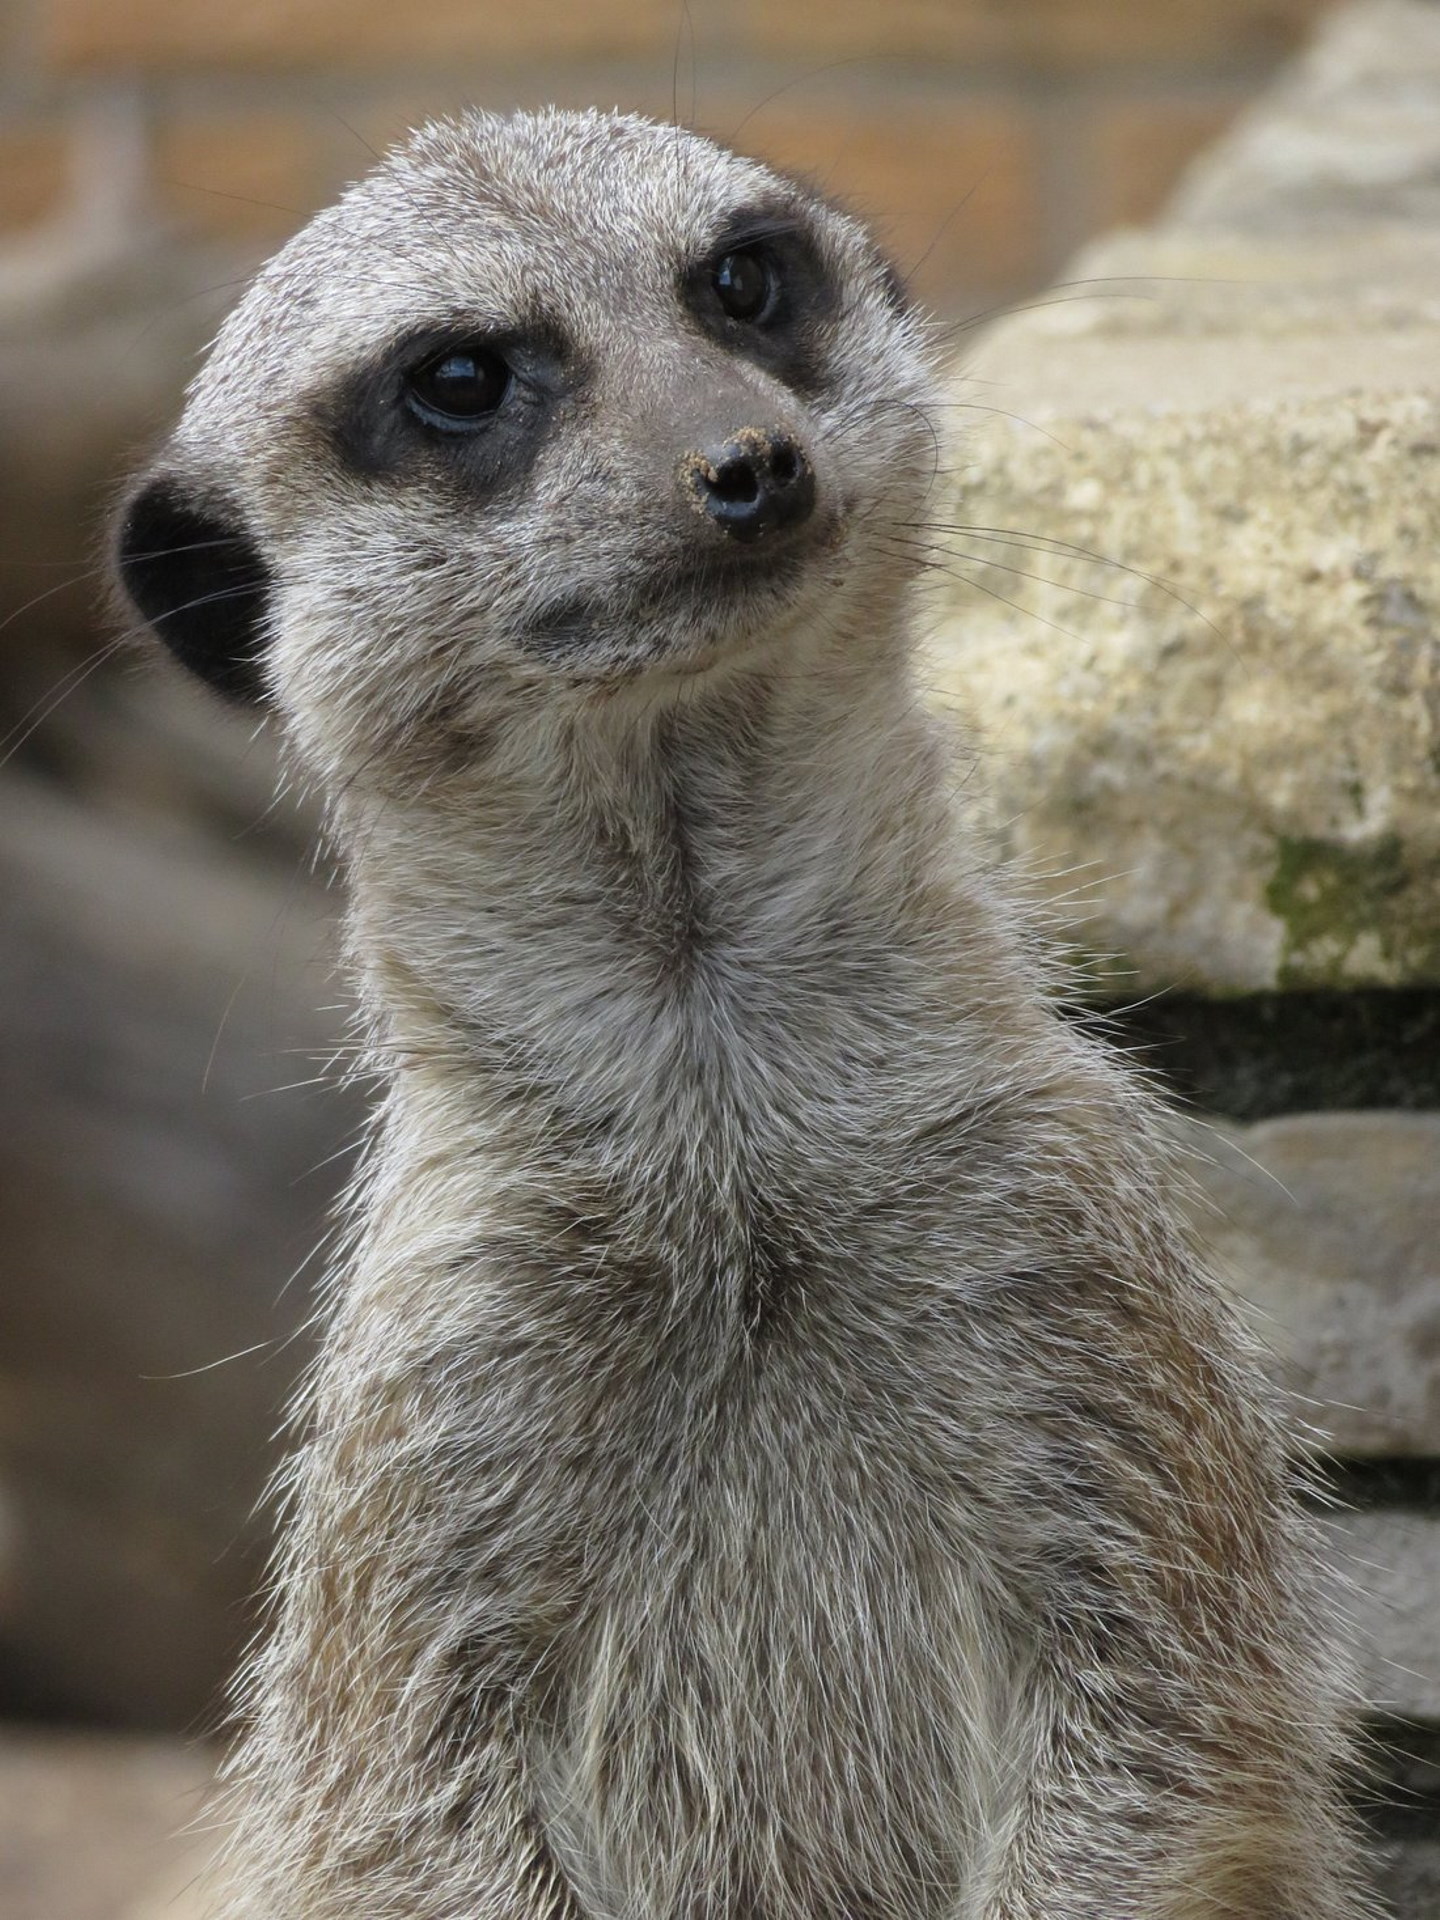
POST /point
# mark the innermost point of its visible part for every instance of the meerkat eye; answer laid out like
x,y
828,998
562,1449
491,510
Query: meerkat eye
x,y
459,388
746,284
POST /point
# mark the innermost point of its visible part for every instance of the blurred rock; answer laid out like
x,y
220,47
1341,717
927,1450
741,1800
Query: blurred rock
x,y
1326,1225
159,986
97,324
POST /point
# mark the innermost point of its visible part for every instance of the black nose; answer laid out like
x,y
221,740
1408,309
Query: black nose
x,y
755,484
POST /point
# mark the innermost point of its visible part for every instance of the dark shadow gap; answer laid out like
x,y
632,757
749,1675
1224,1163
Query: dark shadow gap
x,y
1264,1054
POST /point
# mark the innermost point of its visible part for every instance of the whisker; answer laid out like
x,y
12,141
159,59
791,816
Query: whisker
x,y
1051,543
788,86
29,723
243,199
74,579
932,557
1101,287
1017,605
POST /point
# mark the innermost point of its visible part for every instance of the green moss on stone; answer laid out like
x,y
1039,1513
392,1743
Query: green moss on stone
x,y
1334,898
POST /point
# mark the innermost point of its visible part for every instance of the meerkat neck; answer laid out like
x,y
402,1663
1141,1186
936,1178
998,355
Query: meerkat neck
x,y
634,875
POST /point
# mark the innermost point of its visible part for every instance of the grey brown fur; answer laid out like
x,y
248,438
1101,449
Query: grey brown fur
x,y
772,1455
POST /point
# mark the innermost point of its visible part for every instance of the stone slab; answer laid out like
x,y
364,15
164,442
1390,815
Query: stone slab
x,y
1328,1227
1388,1568
1217,746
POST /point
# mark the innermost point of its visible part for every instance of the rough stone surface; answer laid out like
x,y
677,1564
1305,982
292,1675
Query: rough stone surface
x,y
1326,1225
1388,1567
1192,593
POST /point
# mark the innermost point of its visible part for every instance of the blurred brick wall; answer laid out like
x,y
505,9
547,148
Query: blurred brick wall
x,y
987,137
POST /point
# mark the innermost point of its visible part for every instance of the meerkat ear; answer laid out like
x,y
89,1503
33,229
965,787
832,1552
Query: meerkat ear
x,y
193,573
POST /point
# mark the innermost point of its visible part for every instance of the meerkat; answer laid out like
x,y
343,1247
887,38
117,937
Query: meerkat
x,y
772,1454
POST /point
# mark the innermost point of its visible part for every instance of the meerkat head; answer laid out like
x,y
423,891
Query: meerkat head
x,y
563,400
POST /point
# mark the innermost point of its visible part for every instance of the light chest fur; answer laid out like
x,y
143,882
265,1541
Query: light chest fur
x,y
772,1457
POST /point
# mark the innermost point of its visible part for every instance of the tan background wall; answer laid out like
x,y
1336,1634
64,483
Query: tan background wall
x,y
988,137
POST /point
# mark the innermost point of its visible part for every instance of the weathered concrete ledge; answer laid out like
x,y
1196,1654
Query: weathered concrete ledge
x,y
1193,541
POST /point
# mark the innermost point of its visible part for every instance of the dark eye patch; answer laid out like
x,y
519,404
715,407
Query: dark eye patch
x,y
761,288
466,407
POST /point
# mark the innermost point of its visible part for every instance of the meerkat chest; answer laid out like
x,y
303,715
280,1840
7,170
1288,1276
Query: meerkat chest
x,y
792,1678
715,1510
